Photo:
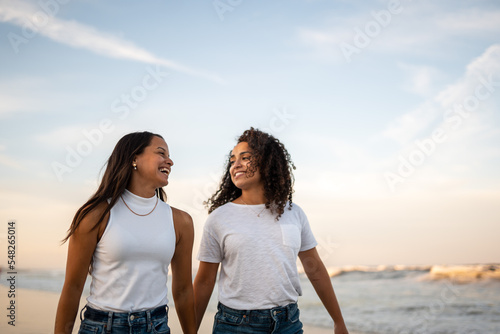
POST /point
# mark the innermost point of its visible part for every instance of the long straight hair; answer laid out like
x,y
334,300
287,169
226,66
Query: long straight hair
x,y
116,177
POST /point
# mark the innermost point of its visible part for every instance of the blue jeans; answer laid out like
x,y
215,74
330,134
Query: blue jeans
x,y
283,320
153,321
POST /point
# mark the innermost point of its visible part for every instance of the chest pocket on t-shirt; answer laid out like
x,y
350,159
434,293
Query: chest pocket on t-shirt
x,y
291,235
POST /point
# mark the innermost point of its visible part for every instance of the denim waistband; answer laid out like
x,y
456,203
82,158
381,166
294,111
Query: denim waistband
x,y
111,318
281,311
102,316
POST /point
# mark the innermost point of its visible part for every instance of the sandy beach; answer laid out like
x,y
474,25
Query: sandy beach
x,y
35,314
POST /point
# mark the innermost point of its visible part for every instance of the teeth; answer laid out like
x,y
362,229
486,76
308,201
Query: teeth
x,y
164,170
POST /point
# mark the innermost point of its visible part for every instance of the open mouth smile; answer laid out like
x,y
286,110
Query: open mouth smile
x,y
238,174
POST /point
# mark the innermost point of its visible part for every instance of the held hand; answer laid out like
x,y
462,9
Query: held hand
x,y
340,329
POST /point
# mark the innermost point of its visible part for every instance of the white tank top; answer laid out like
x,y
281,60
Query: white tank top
x,y
130,262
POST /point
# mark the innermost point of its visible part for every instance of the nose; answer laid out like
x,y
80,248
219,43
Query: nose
x,y
237,163
170,161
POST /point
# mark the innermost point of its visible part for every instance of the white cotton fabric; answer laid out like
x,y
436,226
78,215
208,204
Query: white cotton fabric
x,y
130,262
258,255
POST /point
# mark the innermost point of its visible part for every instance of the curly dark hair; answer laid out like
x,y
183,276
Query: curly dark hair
x,y
275,165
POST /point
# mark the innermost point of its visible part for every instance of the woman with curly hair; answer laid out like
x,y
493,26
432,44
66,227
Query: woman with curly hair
x,y
255,233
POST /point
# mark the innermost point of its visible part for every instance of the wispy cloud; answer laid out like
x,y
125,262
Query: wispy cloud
x,y
13,94
418,28
71,134
78,35
454,134
12,104
408,126
324,43
466,158
471,21
485,67
421,78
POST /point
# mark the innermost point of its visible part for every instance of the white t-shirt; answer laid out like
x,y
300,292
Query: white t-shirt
x,y
258,255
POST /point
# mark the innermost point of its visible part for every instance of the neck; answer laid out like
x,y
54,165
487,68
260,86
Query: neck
x,y
253,196
145,192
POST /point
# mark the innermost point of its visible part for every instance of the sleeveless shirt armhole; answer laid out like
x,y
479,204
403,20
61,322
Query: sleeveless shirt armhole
x,y
107,224
172,220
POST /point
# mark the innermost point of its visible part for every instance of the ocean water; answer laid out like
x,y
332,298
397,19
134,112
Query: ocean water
x,y
379,300
412,301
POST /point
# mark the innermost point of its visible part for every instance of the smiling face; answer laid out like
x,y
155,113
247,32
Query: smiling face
x,y
153,165
241,172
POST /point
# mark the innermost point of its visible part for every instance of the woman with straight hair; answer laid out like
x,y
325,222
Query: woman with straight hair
x,y
255,233
126,236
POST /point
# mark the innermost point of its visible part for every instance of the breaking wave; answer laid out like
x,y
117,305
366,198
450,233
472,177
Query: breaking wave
x,y
458,273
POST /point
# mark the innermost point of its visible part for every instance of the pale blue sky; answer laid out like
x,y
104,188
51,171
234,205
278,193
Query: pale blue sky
x,y
366,96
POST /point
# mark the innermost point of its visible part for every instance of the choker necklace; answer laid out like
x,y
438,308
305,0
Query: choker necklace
x,y
258,214
138,213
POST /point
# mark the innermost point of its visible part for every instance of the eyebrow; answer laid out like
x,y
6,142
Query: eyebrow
x,y
161,148
232,155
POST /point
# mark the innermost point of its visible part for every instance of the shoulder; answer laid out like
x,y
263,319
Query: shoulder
x,y
222,210
90,226
90,220
294,208
219,219
219,214
181,217
182,220
294,211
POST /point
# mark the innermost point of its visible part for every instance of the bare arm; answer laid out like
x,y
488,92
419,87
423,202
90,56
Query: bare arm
x,y
182,284
80,250
318,275
203,286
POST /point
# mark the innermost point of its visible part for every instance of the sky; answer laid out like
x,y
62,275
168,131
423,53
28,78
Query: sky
x,y
389,109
